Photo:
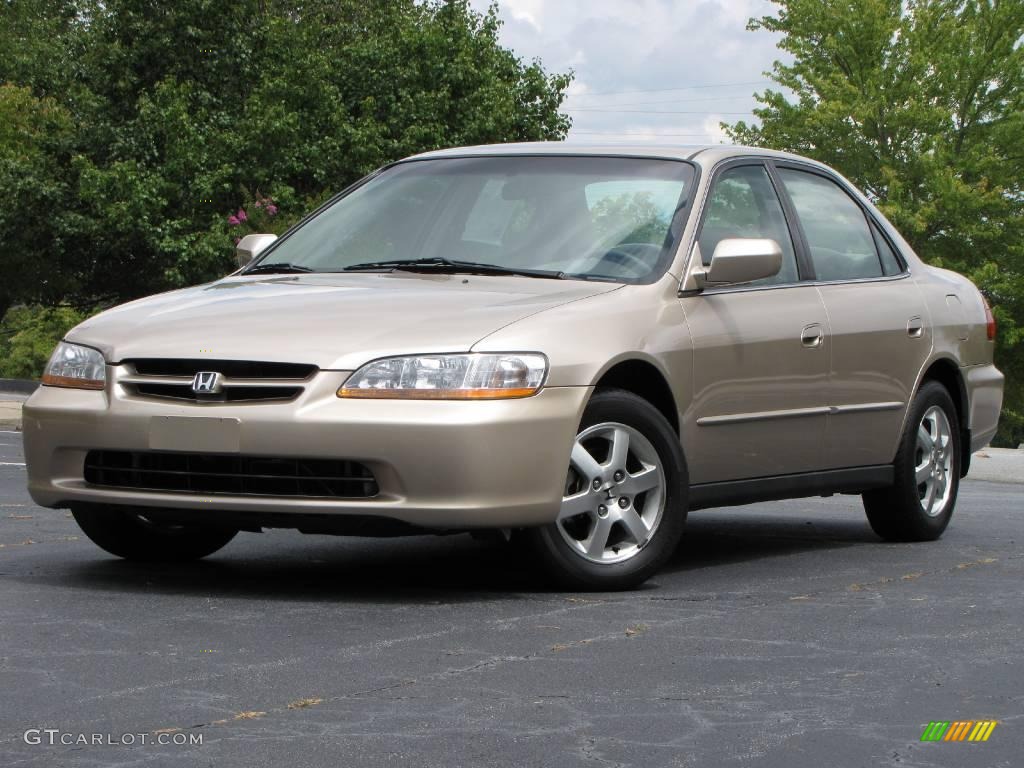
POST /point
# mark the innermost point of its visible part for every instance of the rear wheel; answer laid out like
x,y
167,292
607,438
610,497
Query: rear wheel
x,y
919,505
624,502
128,533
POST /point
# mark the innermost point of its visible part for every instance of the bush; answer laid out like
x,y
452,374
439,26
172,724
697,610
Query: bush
x,y
28,336
1011,430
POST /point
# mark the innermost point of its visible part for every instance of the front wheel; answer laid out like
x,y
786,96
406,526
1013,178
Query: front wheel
x,y
624,502
919,505
128,533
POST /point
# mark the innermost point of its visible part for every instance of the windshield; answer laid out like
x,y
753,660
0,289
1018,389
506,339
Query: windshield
x,y
580,217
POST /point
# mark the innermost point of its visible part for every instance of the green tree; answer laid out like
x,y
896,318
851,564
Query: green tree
x,y
28,336
36,232
921,104
165,118
37,46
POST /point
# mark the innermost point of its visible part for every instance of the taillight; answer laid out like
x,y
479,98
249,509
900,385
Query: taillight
x,y
990,320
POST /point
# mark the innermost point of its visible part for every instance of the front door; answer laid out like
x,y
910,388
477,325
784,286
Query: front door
x,y
760,351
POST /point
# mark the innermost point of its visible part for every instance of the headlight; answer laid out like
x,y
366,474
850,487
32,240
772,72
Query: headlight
x,y
75,366
449,377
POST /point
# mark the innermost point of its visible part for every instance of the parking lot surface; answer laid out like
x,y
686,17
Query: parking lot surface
x,y
781,634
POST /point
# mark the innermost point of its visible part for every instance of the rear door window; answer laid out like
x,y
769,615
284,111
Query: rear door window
x,y
838,236
891,264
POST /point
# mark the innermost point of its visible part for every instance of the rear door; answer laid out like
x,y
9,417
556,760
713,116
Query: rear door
x,y
879,333
760,351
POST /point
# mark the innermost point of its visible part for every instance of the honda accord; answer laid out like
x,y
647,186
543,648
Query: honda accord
x,y
571,345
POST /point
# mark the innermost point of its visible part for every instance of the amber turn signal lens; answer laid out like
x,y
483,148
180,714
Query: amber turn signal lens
x,y
436,394
459,376
70,382
75,366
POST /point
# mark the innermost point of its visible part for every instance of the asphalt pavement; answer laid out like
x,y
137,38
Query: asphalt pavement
x,y
781,634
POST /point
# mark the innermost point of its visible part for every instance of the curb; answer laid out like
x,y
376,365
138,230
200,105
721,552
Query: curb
x,y
10,412
10,417
19,386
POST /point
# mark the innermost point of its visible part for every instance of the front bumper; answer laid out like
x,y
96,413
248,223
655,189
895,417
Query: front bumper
x,y
438,464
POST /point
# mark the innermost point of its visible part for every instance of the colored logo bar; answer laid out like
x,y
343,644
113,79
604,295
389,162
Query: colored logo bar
x,y
959,730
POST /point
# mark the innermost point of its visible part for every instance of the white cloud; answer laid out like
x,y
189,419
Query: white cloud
x,y
628,54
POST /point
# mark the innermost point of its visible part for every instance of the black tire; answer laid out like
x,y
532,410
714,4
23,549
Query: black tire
x,y
897,513
566,567
127,533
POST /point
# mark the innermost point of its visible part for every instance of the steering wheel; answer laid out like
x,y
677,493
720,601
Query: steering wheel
x,y
625,256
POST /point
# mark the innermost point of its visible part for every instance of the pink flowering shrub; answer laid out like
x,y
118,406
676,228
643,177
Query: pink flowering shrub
x,y
258,213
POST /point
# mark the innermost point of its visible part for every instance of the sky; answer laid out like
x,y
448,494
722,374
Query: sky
x,y
635,58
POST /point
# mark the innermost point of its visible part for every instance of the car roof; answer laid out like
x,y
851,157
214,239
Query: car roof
x,y
703,154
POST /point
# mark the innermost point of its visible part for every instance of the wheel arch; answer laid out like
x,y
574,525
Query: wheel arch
x,y
946,372
645,380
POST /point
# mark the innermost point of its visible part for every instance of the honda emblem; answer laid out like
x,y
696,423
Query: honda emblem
x,y
206,382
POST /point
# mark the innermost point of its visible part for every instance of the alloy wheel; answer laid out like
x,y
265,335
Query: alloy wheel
x,y
933,461
615,494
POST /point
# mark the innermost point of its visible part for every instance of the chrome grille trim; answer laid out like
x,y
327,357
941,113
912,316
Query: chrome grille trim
x,y
238,369
171,379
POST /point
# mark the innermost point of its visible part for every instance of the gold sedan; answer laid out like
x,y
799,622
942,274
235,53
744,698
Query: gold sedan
x,y
576,345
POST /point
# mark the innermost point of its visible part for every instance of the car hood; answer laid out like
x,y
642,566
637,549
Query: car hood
x,y
337,322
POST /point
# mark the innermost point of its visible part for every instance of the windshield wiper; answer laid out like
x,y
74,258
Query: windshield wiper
x,y
282,269
452,265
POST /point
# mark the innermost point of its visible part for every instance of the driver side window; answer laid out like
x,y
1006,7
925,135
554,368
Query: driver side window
x,y
743,203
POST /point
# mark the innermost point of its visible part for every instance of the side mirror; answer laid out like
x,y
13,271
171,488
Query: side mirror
x,y
739,260
251,246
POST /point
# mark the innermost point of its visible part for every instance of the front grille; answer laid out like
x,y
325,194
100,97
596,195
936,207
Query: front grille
x,y
240,381
235,369
228,395
208,473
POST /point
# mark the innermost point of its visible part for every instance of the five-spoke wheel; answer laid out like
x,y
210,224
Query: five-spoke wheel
x,y
624,503
934,461
926,473
615,493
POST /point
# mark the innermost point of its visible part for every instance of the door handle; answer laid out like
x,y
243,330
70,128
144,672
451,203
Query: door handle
x,y
812,336
915,327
